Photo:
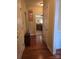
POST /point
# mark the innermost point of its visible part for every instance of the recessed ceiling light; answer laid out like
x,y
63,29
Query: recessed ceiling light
x,y
41,4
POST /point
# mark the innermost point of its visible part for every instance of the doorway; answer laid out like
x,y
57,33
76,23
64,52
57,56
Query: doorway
x,y
39,22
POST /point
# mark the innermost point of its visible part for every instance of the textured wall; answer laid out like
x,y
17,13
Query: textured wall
x,y
48,30
21,27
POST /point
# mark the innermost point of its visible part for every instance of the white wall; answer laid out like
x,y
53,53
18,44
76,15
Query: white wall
x,y
57,27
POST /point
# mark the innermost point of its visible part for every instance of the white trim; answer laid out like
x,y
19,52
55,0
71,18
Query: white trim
x,y
32,34
50,49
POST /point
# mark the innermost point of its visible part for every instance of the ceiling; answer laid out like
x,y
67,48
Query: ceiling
x,y
34,2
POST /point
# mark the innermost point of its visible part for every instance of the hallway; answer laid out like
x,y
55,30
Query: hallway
x,y
37,50
30,14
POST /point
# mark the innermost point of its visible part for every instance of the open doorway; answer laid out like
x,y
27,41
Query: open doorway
x,y
39,22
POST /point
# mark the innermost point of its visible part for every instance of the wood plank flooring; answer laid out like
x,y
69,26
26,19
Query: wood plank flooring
x,y
37,50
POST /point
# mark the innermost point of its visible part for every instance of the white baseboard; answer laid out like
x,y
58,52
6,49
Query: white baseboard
x,y
50,49
32,34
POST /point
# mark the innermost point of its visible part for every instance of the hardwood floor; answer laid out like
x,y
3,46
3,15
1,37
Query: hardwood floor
x,y
37,50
